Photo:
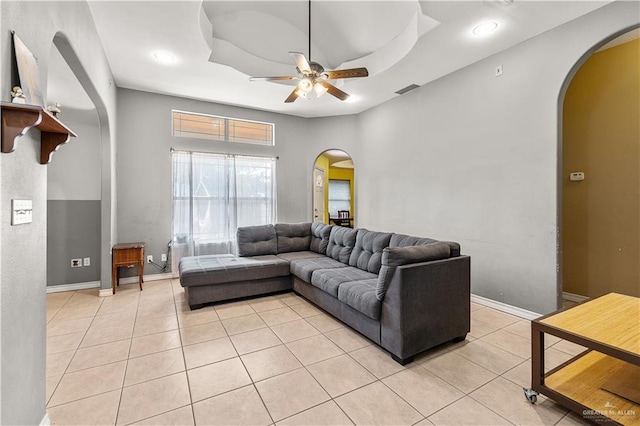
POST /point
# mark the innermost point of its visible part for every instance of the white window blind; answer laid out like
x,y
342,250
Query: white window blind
x,y
339,196
214,194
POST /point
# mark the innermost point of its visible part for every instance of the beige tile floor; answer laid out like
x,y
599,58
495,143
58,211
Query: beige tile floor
x,y
141,357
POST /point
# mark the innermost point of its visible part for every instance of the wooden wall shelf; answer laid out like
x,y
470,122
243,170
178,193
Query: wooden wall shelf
x,y
17,119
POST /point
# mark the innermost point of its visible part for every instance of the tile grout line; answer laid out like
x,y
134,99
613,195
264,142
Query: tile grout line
x,y
176,299
75,352
253,383
126,366
184,358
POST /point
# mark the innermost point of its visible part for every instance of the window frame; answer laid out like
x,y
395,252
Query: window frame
x,y
348,181
226,121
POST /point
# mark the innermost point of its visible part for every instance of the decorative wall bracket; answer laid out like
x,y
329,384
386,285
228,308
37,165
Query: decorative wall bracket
x,y
17,119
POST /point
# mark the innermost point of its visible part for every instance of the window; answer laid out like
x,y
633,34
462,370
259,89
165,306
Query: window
x,y
339,196
214,194
203,126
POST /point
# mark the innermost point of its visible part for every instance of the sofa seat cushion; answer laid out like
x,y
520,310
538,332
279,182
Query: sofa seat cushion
x,y
361,296
329,280
226,268
295,255
303,268
293,236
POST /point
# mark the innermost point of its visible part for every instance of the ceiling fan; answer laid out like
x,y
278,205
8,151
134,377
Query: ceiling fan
x,y
313,77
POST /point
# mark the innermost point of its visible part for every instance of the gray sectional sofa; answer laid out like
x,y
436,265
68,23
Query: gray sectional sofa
x,y
407,294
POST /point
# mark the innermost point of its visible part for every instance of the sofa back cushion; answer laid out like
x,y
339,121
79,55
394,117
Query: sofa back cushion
x,y
367,253
293,236
401,240
392,257
320,237
341,243
257,240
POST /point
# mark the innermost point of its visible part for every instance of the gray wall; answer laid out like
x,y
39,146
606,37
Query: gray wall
x,y
22,248
73,207
144,162
73,231
474,158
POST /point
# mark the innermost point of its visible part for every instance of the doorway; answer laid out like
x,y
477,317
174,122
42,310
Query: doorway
x,y
333,188
600,174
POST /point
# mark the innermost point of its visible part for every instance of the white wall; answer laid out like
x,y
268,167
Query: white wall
x,y
473,158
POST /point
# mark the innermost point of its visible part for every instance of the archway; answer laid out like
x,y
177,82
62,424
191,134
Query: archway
x,y
107,160
599,172
333,188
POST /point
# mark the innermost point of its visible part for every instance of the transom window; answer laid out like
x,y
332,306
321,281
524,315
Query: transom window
x,y
204,126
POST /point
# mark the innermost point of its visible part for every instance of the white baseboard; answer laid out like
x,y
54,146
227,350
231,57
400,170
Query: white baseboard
x,y
574,297
509,309
153,277
104,292
71,287
46,421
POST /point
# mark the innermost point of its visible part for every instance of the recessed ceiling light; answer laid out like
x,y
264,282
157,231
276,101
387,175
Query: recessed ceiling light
x,y
485,28
163,57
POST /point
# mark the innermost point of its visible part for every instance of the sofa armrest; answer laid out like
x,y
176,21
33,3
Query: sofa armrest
x,y
425,305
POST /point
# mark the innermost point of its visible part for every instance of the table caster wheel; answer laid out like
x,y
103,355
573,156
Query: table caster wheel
x,y
531,395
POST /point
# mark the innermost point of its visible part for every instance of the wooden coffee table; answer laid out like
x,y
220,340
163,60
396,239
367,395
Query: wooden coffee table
x,y
609,329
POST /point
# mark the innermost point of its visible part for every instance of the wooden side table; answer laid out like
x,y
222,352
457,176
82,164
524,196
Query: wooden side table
x,y
128,254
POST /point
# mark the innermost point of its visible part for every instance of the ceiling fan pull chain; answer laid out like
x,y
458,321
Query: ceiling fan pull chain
x,y
309,30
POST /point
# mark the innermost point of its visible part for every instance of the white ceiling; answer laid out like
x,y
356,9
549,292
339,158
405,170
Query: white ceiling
x,y
219,44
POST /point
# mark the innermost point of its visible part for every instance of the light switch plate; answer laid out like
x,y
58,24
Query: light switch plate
x,y
21,212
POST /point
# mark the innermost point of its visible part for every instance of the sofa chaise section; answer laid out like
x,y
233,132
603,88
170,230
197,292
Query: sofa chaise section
x,y
216,278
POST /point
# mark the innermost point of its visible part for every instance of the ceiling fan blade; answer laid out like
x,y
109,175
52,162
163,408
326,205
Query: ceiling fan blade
x,y
280,77
301,61
350,73
293,96
333,90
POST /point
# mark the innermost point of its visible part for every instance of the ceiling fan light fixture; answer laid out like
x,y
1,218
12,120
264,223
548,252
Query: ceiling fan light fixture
x,y
306,85
313,77
319,89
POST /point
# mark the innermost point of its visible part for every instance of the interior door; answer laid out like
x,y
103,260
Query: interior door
x,y
318,195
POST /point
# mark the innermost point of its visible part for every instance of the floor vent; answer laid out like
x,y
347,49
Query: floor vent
x,y
407,89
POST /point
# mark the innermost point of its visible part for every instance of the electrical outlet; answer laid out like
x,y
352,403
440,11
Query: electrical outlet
x,y
163,257
76,263
149,259
86,261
